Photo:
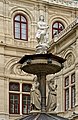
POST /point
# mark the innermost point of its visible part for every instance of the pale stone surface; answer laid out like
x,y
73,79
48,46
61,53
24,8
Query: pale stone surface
x,y
11,50
42,36
52,96
35,95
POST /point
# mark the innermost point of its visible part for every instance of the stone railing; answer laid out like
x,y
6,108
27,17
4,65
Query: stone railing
x,y
69,28
69,3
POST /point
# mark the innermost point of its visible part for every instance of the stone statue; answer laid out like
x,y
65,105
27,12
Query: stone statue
x,y
52,97
42,32
42,36
35,95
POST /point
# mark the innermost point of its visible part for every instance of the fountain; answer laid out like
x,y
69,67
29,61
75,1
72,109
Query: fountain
x,y
42,64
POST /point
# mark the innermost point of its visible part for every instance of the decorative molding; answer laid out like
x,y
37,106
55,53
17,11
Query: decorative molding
x,y
68,3
17,70
70,60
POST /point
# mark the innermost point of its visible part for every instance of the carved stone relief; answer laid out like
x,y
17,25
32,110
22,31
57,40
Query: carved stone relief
x,y
13,67
17,70
70,59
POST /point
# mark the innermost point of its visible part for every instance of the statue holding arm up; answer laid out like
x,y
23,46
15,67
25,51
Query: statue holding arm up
x,y
42,32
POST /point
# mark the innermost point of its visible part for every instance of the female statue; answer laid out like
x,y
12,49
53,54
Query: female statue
x,y
52,100
42,35
35,95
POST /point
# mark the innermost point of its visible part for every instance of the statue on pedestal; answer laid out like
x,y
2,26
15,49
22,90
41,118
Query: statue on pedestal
x,y
42,36
35,95
42,33
52,97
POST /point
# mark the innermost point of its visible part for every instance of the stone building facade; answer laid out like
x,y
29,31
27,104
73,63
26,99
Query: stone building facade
x,y
18,20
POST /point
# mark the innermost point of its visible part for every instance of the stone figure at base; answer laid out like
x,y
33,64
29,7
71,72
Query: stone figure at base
x,y
35,95
52,97
42,31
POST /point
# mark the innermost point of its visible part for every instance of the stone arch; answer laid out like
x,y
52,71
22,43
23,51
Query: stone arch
x,y
69,50
24,11
61,18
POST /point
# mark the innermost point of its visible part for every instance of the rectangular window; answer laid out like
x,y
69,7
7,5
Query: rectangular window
x,y
73,96
70,90
73,90
26,87
15,94
67,99
14,105
17,30
73,78
25,104
14,86
66,81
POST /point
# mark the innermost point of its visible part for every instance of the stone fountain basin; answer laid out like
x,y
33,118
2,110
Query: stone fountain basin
x,y
41,63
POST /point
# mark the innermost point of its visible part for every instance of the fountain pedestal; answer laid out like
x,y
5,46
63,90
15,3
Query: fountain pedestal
x,y
42,65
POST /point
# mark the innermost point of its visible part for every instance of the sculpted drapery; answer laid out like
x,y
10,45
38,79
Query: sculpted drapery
x,y
42,33
52,96
35,95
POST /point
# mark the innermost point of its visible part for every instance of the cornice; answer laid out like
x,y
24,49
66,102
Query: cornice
x,y
67,3
63,3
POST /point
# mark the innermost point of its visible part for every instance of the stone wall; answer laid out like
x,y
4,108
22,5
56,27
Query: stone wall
x,y
11,50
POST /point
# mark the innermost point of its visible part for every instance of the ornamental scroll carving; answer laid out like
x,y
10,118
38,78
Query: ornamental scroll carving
x,y
17,70
70,59
13,67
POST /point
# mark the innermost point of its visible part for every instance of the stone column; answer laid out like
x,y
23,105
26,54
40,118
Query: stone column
x,y
20,98
42,88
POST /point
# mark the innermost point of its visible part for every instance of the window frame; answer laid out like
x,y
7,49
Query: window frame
x,y
26,84
73,86
20,22
18,102
70,86
72,106
58,29
15,83
25,104
66,88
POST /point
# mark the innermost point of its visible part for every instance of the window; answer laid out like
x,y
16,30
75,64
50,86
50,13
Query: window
x,y
16,92
14,103
70,91
14,86
67,93
26,87
26,98
57,27
14,98
25,103
20,27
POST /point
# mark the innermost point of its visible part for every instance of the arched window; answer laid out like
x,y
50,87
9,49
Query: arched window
x,y
20,27
57,27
